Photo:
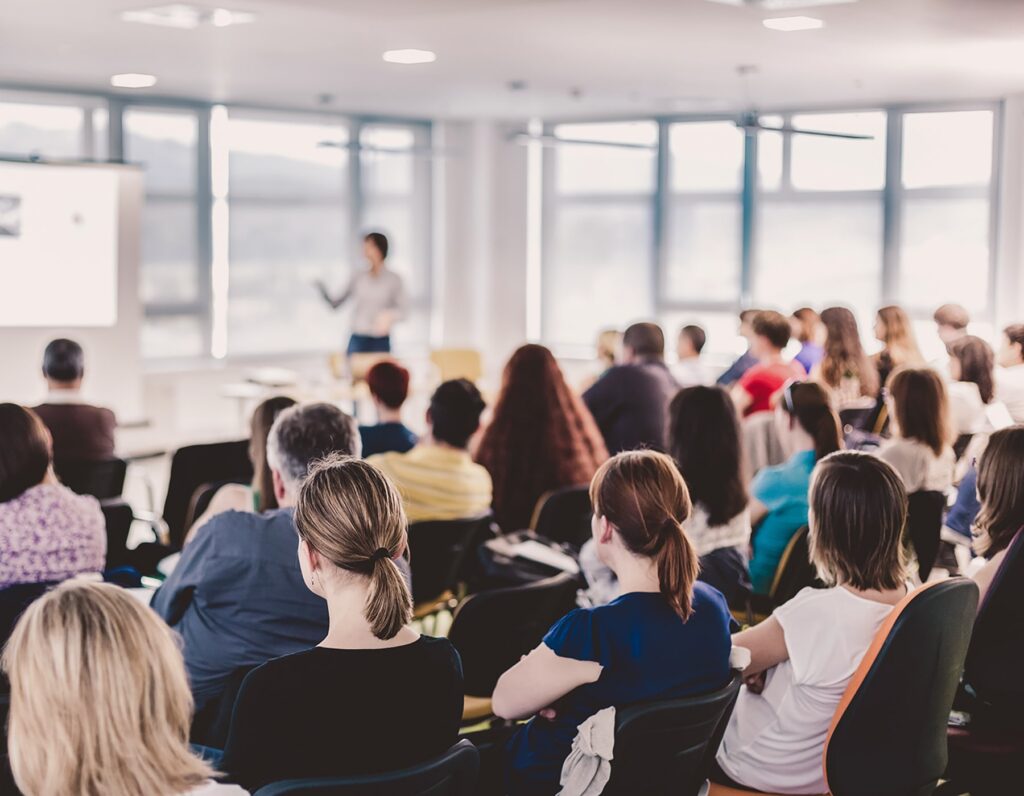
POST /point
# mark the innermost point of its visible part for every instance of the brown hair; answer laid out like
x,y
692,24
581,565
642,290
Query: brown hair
x,y
858,509
899,340
810,404
1001,490
921,407
844,353
26,451
351,515
263,418
773,326
806,320
952,315
1015,334
646,340
541,437
977,364
643,495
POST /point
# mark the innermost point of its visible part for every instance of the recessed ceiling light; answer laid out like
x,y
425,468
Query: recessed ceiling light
x,y
223,17
133,80
793,23
409,57
185,16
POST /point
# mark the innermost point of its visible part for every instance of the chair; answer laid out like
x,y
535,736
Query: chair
x,y
195,465
458,363
13,602
793,573
439,554
201,500
667,747
118,516
563,516
924,528
452,774
102,479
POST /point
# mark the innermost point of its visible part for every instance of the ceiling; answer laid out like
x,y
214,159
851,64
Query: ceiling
x,y
577,58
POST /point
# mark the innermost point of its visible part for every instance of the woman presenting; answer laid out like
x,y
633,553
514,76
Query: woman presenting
x,y
379,298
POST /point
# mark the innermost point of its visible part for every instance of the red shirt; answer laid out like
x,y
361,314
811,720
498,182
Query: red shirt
x,y
761,382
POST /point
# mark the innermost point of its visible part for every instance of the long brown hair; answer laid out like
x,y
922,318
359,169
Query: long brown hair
x,y
810,405
899,340
541,437
351,515
26,452
642,494
1001,490
844,353
921,407
263,417
977,364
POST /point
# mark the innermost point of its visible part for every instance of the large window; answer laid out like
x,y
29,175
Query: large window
x,y
52,126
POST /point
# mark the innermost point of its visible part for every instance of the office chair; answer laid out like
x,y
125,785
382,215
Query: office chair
x,y
440,552
563,516
793,573
925,510
118,516
102,479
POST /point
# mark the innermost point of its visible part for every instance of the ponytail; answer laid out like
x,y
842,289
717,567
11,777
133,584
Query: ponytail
x,y
678,567
389,604
809,404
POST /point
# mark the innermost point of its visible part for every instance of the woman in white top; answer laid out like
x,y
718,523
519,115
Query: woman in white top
x,y
972,389
804,655
100,702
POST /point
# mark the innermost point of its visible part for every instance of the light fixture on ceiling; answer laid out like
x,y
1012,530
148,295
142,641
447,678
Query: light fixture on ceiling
x,y
409,56
133,80
790,24
184,16
781,5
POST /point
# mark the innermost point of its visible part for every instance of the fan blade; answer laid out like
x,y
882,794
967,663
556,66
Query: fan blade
x,y
552,141
821,133
354,146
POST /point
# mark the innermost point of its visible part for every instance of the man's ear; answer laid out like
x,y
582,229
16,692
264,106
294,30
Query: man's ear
x,y
279,489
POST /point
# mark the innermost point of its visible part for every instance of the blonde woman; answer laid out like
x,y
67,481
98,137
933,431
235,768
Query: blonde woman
x,y
100,703
895,332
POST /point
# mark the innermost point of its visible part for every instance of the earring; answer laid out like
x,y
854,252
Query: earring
x,y
312,580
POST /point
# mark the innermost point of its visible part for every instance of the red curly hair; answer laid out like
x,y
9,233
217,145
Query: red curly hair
x,y
541,437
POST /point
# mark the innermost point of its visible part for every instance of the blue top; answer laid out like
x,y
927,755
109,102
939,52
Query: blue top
x,y
783,490
961,517
809,355
736,370
647,652
386,437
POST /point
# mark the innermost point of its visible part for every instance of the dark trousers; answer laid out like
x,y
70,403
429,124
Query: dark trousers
x,y
365,344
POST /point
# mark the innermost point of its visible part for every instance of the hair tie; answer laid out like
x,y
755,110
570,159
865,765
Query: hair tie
x,y
380,554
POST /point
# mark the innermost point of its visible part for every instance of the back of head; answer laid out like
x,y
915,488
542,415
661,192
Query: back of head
x,y
858,509
844,352
351,515
696,335
1001,491
263,418
807,319
977,364
773,326
921,407
25,453
389,383
952,315
608,343
63,361
455,409
899,337
100,702
1015,334
305,433
645,340
705,440
810,405
642,495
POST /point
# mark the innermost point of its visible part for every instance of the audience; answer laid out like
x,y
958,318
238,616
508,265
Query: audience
x,y
689,370
397,694
630,401
438,478
389,387
845,368
951,322
747,359
753,392
1010,374
804,655
808,429
47,532
899,346
667,636
972,386
541,437
810,333
80,431
237,596
100,702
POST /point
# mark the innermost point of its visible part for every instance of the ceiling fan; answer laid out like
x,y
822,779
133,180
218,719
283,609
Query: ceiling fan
x,y
548,140
415,151
751,123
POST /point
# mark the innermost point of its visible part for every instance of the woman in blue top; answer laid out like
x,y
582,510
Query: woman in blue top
x,y
809,429
666,636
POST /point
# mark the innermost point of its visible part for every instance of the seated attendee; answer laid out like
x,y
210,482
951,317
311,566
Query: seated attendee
x,y
438,479
919,450
951,322
389,387
1010,373
810,333
747,359
541,437
690,370
666,637
899,345
237,596
80,431
99,700
398,692
47,532
808,429
972,387
845,369
803,656
630,402
753,392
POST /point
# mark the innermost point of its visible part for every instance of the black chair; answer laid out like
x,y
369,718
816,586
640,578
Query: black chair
x,y
793,573
452,774
440,552
119,518
667,747
201,500
13,602
563,516
924,528
102,479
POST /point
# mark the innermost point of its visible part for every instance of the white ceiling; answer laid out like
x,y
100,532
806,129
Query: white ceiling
x,y
621,56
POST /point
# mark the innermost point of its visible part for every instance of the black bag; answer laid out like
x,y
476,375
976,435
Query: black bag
x,y
497,569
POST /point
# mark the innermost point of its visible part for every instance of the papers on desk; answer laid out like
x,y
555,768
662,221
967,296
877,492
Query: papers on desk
x,y
533,550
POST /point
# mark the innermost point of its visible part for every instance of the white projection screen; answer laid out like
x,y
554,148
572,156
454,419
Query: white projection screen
x,y
58,245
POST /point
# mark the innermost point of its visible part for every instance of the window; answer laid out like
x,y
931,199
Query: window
x,y
51,127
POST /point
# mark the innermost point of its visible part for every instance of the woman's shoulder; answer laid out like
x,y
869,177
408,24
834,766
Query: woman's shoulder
x,y
47,496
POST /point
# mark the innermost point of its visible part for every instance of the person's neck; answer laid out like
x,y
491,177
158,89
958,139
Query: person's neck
x,y
348,628
432,441
63,386
689,357
636,574
772,358
376,266
885,596
385,414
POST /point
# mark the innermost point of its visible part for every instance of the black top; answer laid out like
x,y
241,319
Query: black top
x,y
630,405
334,712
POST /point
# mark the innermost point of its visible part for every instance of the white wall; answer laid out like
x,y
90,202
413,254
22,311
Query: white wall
x,y
1010,241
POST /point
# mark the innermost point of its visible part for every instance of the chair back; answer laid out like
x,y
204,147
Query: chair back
x,y
493,629
888,736
458,363
195,465
452,774
201,499
119,517
924,526
563,515
13,602
667,747
439,551
795,570
102,479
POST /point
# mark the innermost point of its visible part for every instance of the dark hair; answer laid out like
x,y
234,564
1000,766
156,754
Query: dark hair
x,y
977,364
844,354
263,418
455,409
809,403
748,315
705,440
643,495
646,339
952,315
25,454
388,383
1001,490
63,360
304,433
806,318
380,240
858,510
696,335
773,326
921,406
1015,334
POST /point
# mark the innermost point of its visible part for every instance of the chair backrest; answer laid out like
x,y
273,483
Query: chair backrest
x,y
667,747
102,479
13,602
795,570
452,774
119,517
195,465
438,550
563,515
924,528
201,499
493,629
458,363
888,735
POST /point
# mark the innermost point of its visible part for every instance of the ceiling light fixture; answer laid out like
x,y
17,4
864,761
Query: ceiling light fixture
x,y
185,16
409,56
781,5
133,80
790,24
